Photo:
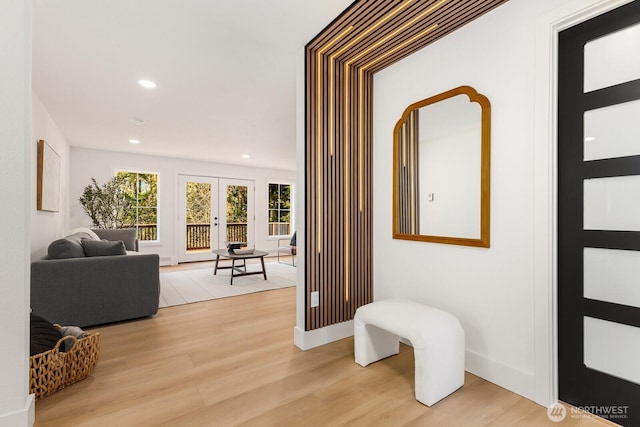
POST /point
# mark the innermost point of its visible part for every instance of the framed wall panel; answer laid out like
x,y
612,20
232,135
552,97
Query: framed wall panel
x,y
48,186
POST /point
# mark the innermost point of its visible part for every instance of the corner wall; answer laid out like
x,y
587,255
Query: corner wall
x,y
16,405
47,226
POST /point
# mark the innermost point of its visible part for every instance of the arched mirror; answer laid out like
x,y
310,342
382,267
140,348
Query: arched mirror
x,y
441,169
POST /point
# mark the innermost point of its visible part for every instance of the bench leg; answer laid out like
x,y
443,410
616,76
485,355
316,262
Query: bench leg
x,y
372,343
439,371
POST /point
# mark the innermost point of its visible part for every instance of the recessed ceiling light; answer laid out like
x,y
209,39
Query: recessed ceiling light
x,y
589,138
134,141
245,156
147,83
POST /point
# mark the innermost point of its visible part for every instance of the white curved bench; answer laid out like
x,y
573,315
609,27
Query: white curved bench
x,y
436,336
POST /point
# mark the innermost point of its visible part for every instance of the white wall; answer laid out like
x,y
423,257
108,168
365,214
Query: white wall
x,y
87,164
503,295
48,226
16,406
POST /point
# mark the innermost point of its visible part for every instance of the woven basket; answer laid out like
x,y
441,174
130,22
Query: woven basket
x,y
54,370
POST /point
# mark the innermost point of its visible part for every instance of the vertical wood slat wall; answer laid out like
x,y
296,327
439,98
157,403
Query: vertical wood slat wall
x,y
340,64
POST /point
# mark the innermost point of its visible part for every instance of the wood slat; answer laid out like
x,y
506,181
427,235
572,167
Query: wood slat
x,y
341,62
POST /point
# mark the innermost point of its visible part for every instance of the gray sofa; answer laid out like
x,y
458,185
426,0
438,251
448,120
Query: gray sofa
x,y
92,290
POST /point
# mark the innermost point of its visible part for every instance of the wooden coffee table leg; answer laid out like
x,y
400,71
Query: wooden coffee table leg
x,y
215,270
264,271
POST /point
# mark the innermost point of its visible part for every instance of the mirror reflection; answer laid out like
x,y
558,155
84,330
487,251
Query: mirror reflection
x,y
441,169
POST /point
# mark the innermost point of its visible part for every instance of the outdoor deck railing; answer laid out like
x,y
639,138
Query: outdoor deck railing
x,y
198,235
147,232
279,229
236,232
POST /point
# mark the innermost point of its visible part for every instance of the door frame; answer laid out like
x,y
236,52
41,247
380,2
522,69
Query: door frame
x,y
545,188
251,212
581,382
180,238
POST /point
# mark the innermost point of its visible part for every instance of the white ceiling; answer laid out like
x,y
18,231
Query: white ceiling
x,y
226,74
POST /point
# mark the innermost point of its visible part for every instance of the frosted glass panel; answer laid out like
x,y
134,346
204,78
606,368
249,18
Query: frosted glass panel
x,y
612,59
612,131
612,348
612,275
612,203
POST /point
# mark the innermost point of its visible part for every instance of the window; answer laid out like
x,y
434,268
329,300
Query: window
x,y
279,209
140,191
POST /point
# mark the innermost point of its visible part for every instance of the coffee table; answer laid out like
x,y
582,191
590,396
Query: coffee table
x,y
237,271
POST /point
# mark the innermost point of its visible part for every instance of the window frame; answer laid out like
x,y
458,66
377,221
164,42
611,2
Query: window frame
x,y
138,172
291,209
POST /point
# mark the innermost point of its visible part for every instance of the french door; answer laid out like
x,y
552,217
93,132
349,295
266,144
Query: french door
x,y
198,218
236,220
599,215
213,211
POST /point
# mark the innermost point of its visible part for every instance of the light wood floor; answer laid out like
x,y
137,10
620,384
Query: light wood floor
x,y
232,362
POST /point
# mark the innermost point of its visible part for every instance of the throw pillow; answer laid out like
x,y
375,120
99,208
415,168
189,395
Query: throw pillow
x,y
65,248
44,335
103,247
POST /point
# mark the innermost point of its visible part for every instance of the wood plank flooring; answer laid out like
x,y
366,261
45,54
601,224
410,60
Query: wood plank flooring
x,y
232,361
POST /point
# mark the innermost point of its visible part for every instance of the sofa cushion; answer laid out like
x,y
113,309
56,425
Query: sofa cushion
x,y
128,235
103,247
65,248
44,335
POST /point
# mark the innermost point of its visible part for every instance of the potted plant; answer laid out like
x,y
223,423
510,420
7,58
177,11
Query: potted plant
x,y
106,204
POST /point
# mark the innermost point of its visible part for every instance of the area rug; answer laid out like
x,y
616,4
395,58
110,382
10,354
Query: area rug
x,y
195,285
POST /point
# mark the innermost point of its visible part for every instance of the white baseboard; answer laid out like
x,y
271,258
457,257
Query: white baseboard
x,y
166,261
498,373
22,418
515,380
306,340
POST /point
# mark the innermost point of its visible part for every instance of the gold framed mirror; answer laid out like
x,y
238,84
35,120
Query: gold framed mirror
x,y
441,169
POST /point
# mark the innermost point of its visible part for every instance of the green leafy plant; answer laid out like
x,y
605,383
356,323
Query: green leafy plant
x,y
107,205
